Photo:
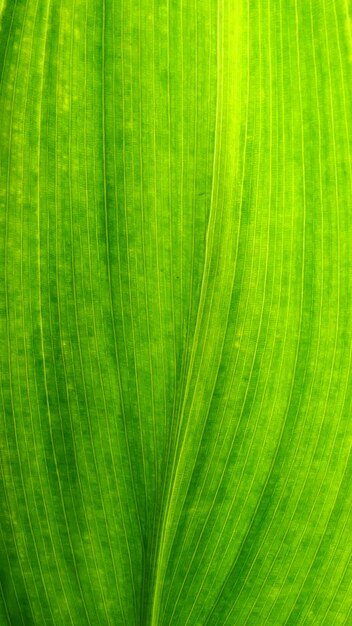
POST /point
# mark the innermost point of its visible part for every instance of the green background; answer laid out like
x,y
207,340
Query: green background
x,y
175,312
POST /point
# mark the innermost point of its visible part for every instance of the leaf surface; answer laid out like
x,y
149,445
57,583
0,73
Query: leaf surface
x,y
175,306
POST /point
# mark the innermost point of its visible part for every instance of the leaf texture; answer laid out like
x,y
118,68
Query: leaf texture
x,y
175,312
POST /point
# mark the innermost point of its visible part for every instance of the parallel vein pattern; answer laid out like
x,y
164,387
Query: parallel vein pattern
x,y
175,306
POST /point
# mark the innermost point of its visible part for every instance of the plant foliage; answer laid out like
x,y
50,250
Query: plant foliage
x,y
175,312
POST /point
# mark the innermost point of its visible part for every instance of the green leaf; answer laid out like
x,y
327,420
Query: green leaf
x,y
175,312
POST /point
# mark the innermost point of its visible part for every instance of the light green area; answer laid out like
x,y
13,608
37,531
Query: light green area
x,y
175,312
